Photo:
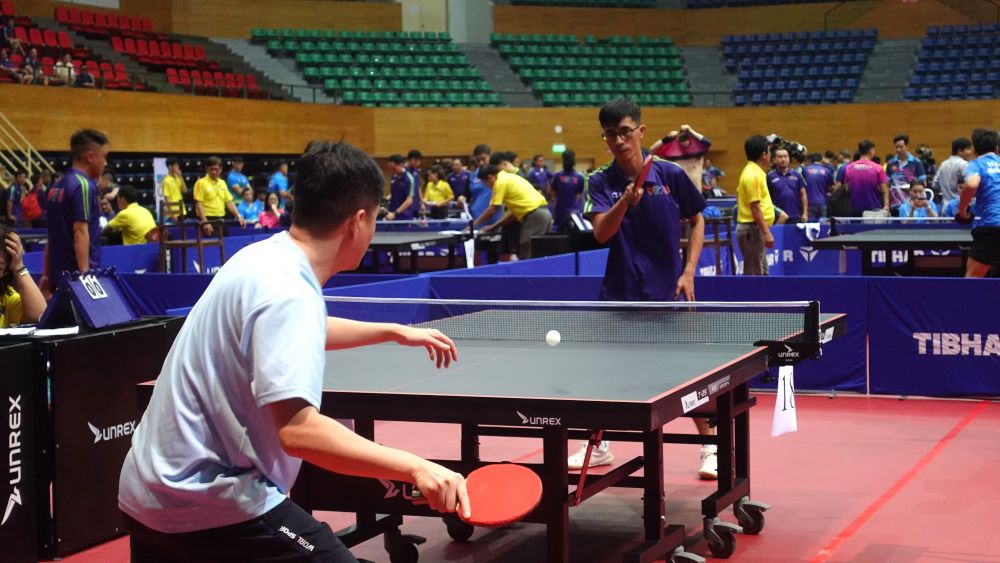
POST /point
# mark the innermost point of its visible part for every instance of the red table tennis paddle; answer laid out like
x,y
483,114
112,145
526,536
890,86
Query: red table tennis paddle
x,y
647,165
500,494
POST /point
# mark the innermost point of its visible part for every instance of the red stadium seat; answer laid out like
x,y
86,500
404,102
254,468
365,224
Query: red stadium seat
x,y
7,8
120,67
48,61
18,60
117,44
62,14
218,76
136,23
100,23
104,66
87,22
64,41
51,40
189,52
147,25
112,20
21,35
165,49
35,37
199,52
92,65
74,17
171,71
178,51
131,47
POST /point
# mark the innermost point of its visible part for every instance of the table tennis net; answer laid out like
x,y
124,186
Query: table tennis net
x,y
590,321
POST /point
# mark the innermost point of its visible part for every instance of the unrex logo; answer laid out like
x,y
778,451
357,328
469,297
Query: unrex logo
x,y
539,420
112,432
957,344
13,456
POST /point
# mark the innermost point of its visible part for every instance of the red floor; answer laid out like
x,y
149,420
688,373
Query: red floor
x,y
863,480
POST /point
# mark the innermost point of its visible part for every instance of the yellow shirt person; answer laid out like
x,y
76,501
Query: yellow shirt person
x,y
173,190
517,194
213,195
752,187
438,192
135,222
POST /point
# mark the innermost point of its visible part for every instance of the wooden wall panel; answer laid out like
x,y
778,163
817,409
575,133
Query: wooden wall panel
x,y
160,11
161,122
706,27
235,18
169,123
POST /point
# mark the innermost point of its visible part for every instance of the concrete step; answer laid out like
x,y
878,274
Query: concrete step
x,y
501,78
281,73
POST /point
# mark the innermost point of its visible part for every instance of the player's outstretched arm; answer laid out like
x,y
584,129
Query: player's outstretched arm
x,y
306,434
347,333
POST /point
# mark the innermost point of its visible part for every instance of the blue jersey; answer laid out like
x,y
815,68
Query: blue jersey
x,y
72,199
567,187
481,197
278,183
402,186
237,183
786,191
904,210
644,259
905,172
460,184
250,211
14,195
987,210
818,179
540,177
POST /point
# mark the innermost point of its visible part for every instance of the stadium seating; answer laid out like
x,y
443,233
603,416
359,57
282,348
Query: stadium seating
x,y
382,68
798,68
957,63
587,3
100,24
565,72
744,3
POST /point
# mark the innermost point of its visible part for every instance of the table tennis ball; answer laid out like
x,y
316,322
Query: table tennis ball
x,y
552,338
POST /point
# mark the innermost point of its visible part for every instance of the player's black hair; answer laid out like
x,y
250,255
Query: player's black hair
x,y
172,161
396,159
436,169
237,160
877,159
901,137
85,140
536,157
21,172
816,157
414,153
865,147
985,141
502,156
569,160
754,147
488,170
213,161
481,149
128,193
613,112
776,148
844,153
960,144
829,154
334,181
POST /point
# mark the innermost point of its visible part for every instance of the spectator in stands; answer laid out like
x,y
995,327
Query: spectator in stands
x,y
133,221
237,182
279,183
687,148
867,183
925,154
903,168
32,60
270,217
982,183
522,168
250,207
480,157
567,189
710,178
754,210
458,179
919,204
952,171
404,193
74,232
85,79
64,73
32,75
15,193
8,66
819,182
437,193
8,37
539,174
787,187
174,186
21,302
524,205
212,197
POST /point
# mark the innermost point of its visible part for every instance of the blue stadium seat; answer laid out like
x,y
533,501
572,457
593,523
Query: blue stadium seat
x,y
757,99
910,94
973,92
987,91
845,96
786,98
740,100
830,96
794,84
801,97
808,84
816,97
822,83
771,98
837,83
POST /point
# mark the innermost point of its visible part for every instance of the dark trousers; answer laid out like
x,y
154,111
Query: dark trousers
x,y
284,534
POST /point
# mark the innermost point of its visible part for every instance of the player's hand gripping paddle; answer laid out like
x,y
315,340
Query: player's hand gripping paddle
x,y
647,165
967,218
500,494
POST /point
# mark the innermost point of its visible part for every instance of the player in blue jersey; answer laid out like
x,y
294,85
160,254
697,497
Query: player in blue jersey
x,y
982,182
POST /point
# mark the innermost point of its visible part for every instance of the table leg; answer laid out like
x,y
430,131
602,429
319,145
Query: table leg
x,y
555,503
653,503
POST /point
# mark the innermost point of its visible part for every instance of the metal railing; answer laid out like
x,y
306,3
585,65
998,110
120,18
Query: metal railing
x,y
17,153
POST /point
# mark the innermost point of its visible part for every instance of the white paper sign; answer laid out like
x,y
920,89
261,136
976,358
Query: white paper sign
x,y
470,252
784,403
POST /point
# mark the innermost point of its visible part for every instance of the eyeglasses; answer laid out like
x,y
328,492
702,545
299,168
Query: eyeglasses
x,y
623,132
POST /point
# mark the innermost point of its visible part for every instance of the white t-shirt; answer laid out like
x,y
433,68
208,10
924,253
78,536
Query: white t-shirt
x,y
206,453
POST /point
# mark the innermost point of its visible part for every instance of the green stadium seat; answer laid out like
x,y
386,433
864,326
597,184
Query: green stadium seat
x,y
291,46
311,74
275,46
331,85
349,96
286,34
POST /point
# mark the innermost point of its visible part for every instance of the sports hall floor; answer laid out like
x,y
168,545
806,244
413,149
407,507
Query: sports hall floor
x,y
864,480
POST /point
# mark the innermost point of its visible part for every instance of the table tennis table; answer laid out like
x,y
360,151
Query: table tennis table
x,y
396,243
508,382
888,240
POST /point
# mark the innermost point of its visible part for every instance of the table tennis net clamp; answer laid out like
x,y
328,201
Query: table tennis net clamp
x,y
808,345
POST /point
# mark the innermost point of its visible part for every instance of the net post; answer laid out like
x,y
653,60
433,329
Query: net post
x,y
833,226
811,328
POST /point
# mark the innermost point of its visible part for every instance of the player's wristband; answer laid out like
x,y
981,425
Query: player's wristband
x,y
22,272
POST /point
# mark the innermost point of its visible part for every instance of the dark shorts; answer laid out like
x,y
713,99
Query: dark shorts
x,y
986,245
285,533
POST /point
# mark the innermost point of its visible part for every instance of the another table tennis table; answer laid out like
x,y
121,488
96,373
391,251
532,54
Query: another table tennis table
x,y
888,240
396,243
522,387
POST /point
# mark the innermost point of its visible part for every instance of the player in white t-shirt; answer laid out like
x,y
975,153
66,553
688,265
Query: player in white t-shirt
x,y
235,408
